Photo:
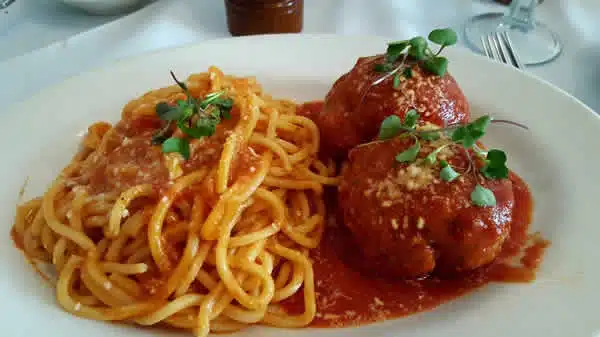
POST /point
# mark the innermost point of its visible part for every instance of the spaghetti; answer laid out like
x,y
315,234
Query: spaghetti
x,y
212,243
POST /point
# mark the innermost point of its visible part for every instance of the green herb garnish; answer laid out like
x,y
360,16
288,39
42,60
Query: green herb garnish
x,y
495,165
177,145
398,64
410,120
482,196
443,37
447,173
463,135
409,155
195,118
468,134
390,127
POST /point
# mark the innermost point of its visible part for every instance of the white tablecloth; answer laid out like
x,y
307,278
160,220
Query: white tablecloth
x,y
82,42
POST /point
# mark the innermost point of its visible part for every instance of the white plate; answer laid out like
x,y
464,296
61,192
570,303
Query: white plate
x,y
558,157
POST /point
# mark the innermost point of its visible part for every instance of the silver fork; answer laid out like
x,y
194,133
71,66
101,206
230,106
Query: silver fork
x,y
499,47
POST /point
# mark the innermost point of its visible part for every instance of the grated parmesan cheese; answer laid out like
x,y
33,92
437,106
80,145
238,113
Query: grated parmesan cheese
x,y
420,223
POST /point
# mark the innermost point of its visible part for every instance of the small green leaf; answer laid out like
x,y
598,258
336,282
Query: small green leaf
x,y
396,83
495,166
225,103
443,37
207,126
410,119
409,155
495,172
394,51
468,134
170,113
383,67
480,123
390,127
459,134
496,158
418,46
407,73
436,65
177,145
430,159
482,197
448,174
430,135
468,142
162,108
194,132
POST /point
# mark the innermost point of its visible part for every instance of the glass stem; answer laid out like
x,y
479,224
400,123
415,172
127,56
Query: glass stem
x,y
520,15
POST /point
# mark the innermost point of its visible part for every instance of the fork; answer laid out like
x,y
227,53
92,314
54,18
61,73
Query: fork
x,y
499,47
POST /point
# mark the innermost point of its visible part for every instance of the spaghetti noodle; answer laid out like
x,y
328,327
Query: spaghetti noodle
x,y
212,243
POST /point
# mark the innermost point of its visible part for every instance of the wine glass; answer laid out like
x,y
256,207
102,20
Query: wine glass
x,y
533,41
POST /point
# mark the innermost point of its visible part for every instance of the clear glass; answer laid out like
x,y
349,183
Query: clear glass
x,y
533,41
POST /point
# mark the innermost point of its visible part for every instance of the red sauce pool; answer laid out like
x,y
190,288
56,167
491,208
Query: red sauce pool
x,y
346,296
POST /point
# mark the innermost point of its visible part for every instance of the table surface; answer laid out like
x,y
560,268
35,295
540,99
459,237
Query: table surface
x,y
44,42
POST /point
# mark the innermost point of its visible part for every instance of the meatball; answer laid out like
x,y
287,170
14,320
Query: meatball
x,y
409,223
354,108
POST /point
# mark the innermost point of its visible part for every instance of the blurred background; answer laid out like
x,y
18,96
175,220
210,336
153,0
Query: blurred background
x,y
78,34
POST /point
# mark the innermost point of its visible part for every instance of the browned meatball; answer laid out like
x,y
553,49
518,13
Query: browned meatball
x,y
354,108
410,223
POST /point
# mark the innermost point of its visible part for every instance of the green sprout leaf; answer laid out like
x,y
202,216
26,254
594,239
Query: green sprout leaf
x,y
482,197
206,126
394,51
195,118
390,127
396,82
447,173
179,145
468,134
481,123
409,155
407,73
430,135
443,37
411,118
436,65
162,108
383,67
418,48
495,165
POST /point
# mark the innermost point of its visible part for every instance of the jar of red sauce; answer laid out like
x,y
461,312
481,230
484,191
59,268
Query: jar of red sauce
x,y
247,17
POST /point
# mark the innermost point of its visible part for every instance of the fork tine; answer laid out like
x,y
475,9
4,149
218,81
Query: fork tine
x,y
486,47
494,48
503,50
511,49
